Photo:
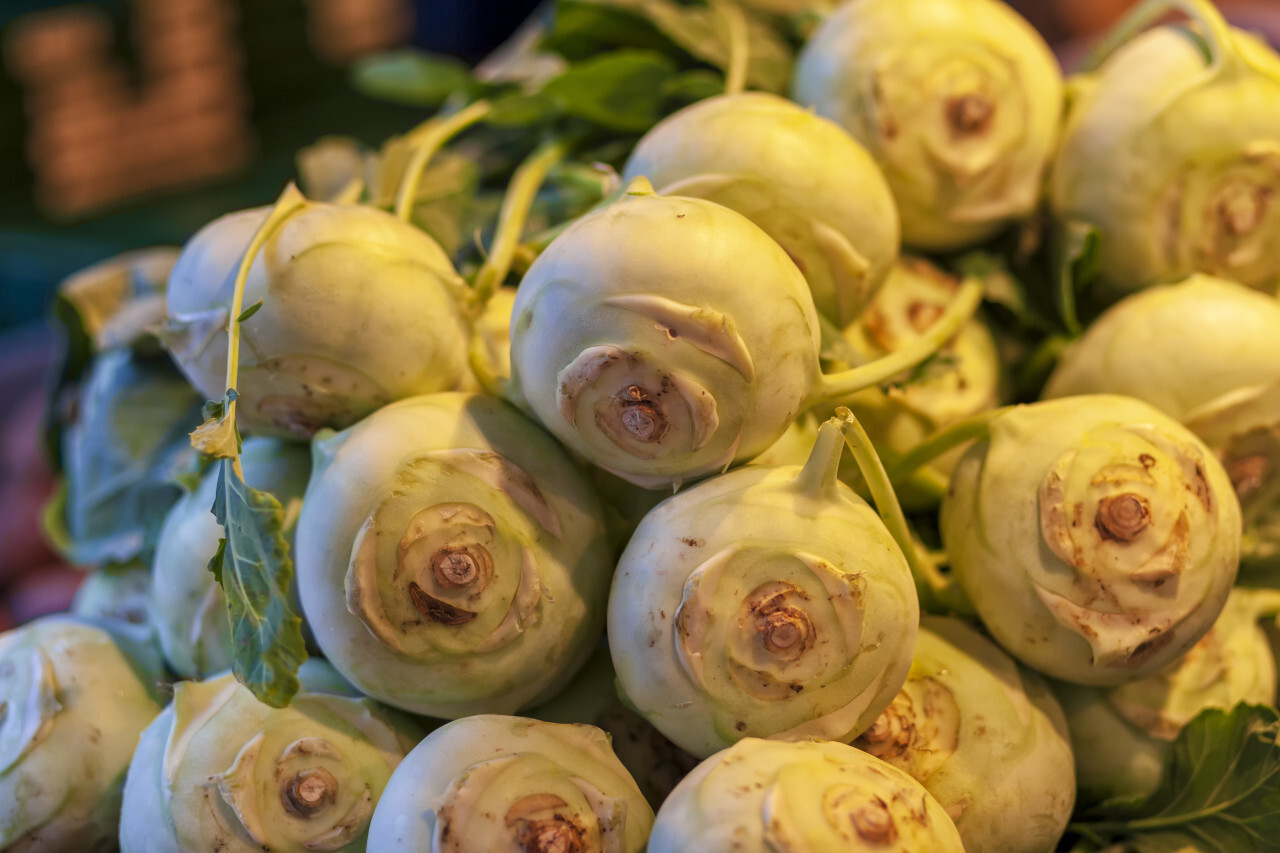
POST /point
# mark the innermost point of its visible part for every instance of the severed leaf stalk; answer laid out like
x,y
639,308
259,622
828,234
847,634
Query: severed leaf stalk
x,y
739,44
252,562
433,137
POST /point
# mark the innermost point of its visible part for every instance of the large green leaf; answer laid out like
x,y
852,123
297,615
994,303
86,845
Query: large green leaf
x,y
621,91
412,77
255,570
1220,792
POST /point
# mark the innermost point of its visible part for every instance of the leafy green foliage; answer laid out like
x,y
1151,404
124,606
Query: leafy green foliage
x,y
621,91
255,570
411,77
1220,792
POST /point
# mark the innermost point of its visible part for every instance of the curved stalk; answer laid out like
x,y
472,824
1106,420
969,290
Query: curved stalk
x,y
934,589
834,386
941,441
523,188
1215,31
350,192
434,135
290,200
735,24
821,470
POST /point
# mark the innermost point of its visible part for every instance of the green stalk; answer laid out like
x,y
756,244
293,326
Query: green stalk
x,y
818,478
524,186
835,386
935,591
434,135
739,44
1214,29
943,440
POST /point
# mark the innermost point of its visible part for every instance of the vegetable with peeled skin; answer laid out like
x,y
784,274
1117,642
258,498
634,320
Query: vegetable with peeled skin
x,y
958,101
502,784
219,770
765,602
357,309
984,736
1122,736
73,706
798,176
187,604
962,380
1095,536
452,560
1207,352
1171,150
666,338
759,796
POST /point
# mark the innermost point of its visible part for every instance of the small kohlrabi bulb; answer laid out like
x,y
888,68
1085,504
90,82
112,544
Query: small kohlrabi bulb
x,y
666,338
451,558
963,380
219,770
656,764
358,309
760,796
958,100
117,593
1171,149
72,707
765,602
984,736
800,177
187,605
511,785
1095,536
1121,736
1178,347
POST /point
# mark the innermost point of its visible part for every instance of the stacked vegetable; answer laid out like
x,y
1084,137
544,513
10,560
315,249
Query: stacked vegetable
x,y
633,464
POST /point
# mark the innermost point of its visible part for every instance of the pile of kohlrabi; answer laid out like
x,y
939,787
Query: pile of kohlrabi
x,y
756,426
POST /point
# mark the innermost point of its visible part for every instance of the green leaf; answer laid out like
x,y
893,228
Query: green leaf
x,y
411,77
582,29
250,311
255,570
1220,792
620,91
690,86
521,110
1076,265
218,436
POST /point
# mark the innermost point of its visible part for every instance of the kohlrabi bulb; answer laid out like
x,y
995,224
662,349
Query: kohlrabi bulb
x,y
760,796
118,593
963,380
1096,537
187,605
666,338
451,558
1207,352
656,764
72,707
220,771
358,309
765,602
1177,346
1122,735
799,176
511,785
1171,149
958,100
984,736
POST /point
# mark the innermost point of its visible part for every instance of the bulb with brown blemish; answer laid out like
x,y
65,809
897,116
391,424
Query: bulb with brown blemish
x,y
503,784
765,602
958,101
984,736
1170,149
1207,352
451,559
1096,537
667,338
219,770
760,796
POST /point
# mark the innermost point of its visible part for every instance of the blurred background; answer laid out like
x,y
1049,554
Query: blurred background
x,y
132,123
